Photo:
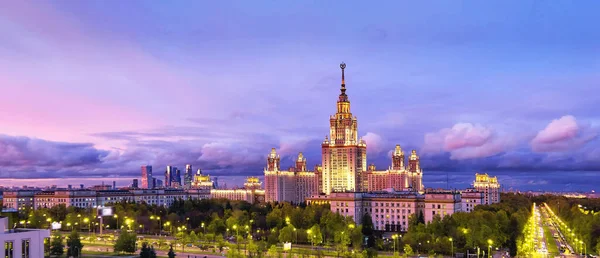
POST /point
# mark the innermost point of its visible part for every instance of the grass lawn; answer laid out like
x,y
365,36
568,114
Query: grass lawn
x,y
550,243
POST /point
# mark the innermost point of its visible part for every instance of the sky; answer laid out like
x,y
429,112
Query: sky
x,y
95,89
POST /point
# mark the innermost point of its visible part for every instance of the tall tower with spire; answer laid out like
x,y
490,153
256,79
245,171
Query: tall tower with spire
x,y
415,172
344,155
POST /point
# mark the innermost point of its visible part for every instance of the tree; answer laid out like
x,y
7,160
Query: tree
x,y
368,230
171,253
193,237
315,235
183,239
147,251
272,252
74,245
421,218
252,249
356,237
286,234
342,240
367,225
126,242
598,247
56,245
408,250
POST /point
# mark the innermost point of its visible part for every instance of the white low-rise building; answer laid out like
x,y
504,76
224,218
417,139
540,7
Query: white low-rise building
x,y
471,198
390,210
21,243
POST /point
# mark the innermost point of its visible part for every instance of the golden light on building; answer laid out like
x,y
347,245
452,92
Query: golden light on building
x,y
489,186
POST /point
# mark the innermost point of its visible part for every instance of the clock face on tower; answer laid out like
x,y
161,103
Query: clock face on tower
x,y
343,65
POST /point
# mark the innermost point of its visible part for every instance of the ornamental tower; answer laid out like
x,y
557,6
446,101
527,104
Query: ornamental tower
x,y
300,163
415,172
398,158
344,156
273,161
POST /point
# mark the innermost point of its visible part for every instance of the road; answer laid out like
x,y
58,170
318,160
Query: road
x,y
553,224
158,252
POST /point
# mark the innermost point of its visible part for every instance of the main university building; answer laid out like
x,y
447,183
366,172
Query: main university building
x,y
351,188
343,180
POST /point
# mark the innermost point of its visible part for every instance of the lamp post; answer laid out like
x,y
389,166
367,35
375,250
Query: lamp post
x,y
394,237
296,236
117,217
452,246
490,242
312,242
86,220
157,218
203,229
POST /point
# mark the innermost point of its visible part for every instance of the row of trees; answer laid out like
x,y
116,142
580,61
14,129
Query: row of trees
x,y
56,246
582,216
259,226
498,225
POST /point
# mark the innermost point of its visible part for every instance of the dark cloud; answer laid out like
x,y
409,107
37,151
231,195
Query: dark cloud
x,y
31,152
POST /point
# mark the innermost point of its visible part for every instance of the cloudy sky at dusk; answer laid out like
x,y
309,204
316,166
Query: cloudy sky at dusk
x,y
97,89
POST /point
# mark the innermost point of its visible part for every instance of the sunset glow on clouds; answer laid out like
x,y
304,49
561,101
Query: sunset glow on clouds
x,y
96,88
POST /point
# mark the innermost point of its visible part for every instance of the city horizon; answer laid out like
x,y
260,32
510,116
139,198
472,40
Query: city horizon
x,y
465,108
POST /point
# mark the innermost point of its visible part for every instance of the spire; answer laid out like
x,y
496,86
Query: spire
x,y
343,96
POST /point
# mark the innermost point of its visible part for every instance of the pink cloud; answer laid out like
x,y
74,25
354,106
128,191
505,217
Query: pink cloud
x,y
374,142
465,141
563,134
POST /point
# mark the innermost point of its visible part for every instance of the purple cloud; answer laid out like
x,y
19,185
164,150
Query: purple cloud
x,y
31,152
375,143
563,134
465,141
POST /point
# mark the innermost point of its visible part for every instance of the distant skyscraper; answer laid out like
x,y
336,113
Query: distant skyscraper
x,y
134,184
177,178
114,185
344,155
157,183
147,182
188,176
170,176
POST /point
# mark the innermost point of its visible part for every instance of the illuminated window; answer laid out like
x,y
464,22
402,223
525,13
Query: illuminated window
x,y
8,249
25,248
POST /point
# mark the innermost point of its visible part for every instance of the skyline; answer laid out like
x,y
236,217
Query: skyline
x,y
92,89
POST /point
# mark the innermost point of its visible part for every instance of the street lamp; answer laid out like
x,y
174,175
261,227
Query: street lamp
x,y
296,235
203,229
117,217
86,220
309,233
490,242
452,245
394,237
159,222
